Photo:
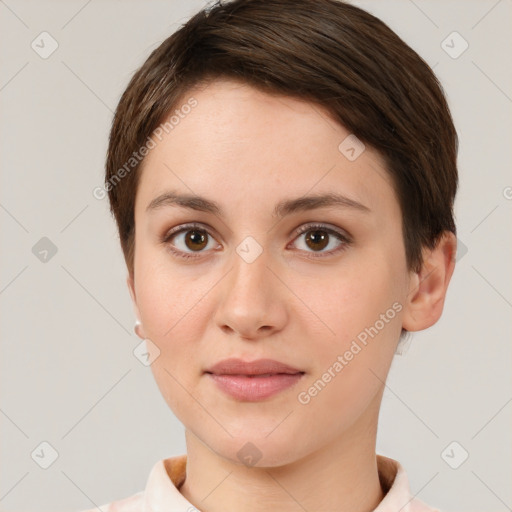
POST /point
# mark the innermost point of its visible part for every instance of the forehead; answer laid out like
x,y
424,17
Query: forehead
x,y
243,145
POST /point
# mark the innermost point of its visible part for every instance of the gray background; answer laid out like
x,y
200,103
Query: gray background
x,y
68,373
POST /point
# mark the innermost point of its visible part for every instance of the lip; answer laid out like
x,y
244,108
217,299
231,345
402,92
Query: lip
x,y
234,366
253,380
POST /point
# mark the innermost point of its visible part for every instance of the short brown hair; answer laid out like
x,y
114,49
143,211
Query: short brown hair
x,y
326,52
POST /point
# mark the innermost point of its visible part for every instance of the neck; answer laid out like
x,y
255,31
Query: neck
x,y
341,476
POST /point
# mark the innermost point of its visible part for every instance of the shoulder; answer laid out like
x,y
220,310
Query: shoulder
x,y
133,503
161,489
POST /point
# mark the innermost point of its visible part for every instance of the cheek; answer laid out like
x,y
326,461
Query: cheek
x,y
351,299
173,316
350,368
361,309
169,297
173,307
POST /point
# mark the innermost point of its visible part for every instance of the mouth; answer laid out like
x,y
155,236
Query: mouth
x,y
253,381
251,376
259,367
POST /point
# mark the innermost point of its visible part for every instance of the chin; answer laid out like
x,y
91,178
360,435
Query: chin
x,y
260,451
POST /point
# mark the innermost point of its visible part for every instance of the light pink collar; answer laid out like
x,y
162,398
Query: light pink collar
x,y
162,489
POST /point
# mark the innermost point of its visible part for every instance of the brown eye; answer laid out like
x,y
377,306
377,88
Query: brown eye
x,y
187,240
317,239
313,239
196,239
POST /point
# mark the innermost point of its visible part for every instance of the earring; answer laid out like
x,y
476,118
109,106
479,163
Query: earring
x,y
136,329
403,343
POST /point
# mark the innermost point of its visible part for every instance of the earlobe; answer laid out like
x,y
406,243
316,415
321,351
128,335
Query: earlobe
x,y
428,287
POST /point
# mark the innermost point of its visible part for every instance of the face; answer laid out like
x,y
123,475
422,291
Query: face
x,y
319,286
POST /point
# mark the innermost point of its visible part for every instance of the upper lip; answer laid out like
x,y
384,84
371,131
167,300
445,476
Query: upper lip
x,y
235,366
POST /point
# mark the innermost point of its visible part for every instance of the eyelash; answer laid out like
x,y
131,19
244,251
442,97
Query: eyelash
x,y
346,241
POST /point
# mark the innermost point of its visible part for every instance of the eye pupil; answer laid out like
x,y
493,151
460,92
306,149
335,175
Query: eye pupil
x,y
321,239
195,237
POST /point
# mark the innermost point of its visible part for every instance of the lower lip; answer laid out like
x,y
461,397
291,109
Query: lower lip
x,y
256,388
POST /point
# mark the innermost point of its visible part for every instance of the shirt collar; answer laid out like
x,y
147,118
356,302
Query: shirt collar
x,y
162,489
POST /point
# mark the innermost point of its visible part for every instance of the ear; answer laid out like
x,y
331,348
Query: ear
x,y
427,290
131,288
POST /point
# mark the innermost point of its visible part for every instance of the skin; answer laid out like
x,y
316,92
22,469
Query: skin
x,y
248,150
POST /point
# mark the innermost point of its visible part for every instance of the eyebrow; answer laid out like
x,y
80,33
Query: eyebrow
x,y
282,209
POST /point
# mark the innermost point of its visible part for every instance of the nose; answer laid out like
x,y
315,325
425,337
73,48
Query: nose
x,y
252,302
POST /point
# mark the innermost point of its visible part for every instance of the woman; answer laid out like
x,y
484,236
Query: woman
x,y
282,174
